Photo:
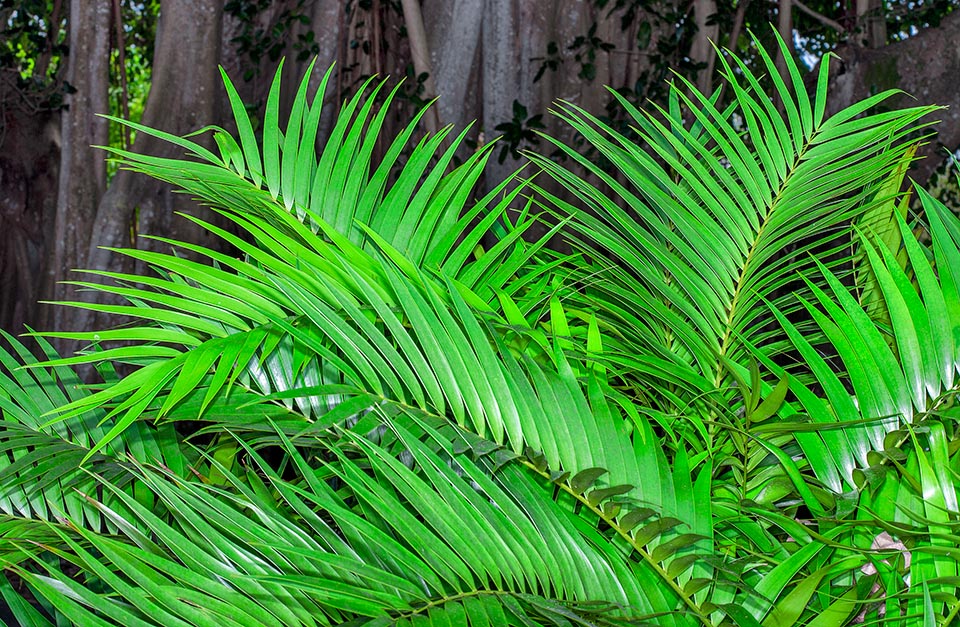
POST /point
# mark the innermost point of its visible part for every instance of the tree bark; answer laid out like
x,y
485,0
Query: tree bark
x,y
420,51
324,21
733,43
83,173
29,164
702,49
871,23
453,36
183,98
785,29
925,67
501,73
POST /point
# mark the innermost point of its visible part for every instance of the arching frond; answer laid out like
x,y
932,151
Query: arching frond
x,y
703,225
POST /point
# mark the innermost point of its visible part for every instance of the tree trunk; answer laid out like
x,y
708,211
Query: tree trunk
x,y
83,173
183,97
925,67
420,51
453,34
29,164
785,30
501,74
871,23
324,21
733,42
702,49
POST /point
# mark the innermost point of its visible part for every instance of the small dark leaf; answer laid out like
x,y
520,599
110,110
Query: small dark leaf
x,y
585,478
643,35
847,503
872,477
519,111
484,447
773,402
695,585
894,439
655,530
610,509
859,478
634,518
682,541
680,565
895,454
598,496
537,459
502,457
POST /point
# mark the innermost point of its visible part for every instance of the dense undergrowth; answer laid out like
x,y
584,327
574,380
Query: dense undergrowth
x,y
730,403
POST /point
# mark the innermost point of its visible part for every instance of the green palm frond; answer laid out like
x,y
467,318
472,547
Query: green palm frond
x,y
414,200
40,470
893,375
406,535
703,226
317,343
386,407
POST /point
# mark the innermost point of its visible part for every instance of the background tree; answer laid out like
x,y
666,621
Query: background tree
x,y
500,62
83,180
359,417
184,80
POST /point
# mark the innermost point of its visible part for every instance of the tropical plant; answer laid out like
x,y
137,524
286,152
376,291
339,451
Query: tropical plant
x,y
731,403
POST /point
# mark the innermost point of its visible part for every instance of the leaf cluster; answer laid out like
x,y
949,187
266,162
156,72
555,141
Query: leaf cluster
x,y
731,403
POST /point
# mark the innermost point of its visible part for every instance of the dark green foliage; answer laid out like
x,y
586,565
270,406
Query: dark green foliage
x,y
731,404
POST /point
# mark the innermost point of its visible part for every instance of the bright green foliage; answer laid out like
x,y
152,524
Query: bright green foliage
x,y
730,405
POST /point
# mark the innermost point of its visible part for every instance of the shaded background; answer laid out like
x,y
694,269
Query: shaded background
x,y
499,62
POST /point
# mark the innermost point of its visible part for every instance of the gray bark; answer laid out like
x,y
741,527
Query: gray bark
x,y
925,67
702,49
501,72
324,22
453,35
183,97
871,23
83,174
420,51
785,28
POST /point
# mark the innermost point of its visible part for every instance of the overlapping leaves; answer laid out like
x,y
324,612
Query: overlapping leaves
x,y
396,425
695,236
